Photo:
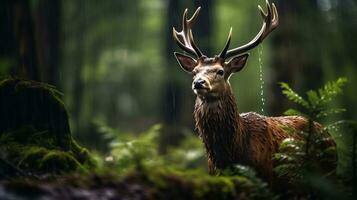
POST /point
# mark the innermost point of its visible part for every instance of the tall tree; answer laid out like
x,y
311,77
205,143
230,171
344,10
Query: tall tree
x,y
25,40
8,51
48,23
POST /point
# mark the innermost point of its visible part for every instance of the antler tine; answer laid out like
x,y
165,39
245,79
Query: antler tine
x,y
184,38
224,51
179,38
276,16
194,16
194,46
270,22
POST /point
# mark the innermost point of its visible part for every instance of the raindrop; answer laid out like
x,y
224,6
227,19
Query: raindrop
x,y
260,50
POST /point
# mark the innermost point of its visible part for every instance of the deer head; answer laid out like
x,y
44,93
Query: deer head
x,y
211,74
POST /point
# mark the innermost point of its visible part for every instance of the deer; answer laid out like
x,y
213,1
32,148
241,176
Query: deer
x,y
231,138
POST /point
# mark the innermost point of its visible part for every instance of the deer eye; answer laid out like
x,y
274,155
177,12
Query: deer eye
x,y
220,72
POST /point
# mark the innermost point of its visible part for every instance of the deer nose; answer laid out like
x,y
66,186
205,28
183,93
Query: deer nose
x,y
198,84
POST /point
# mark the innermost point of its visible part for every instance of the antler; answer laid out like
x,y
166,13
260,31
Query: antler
x,y
271,21
184,39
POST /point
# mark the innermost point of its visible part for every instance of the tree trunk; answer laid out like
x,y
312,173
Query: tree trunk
x,y
48,18
8,51
24,34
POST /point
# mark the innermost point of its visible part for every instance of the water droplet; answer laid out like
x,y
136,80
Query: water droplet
x,y
260,50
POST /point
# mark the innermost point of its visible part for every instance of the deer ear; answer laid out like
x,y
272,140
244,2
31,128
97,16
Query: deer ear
x,y
237,63
186,62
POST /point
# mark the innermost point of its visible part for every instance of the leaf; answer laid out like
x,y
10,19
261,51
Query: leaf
x,y
285,169
293,96
290,145
293,112
313,98
331,90
332,111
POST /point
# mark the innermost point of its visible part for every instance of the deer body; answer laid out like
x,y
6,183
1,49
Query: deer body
x,y
248,139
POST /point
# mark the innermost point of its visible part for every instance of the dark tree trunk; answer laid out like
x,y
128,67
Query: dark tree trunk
x,y
8,51
24,34
172,90
48,18
31,42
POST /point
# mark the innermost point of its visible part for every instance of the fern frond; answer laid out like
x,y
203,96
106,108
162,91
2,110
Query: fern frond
x,y
326,113
293,96
292,112
331,89
313,98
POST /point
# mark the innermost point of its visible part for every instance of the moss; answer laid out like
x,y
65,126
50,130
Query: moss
x,y
32,156
29,103
40,154
172,184
157,183
57,161
34,129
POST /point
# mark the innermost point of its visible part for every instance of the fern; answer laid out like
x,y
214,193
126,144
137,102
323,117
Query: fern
x,y
291,112
317,101
297,157
331,90
293,96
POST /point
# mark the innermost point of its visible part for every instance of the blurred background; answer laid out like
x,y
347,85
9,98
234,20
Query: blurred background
x,y
113,60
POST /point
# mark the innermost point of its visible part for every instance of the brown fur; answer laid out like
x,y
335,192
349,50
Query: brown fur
x,y
249,139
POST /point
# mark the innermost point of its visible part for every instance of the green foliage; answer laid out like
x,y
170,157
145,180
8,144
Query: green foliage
x,y
347,143
157,184
311,151
289,158
174,175
138,152
36,151
294,164
34,129
189,154
293,96
130,150
245,171
317,102
199,185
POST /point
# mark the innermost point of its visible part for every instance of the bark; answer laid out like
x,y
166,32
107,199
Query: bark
x,y
48,23
24,34
7,48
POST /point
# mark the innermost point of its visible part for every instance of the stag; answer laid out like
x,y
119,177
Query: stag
x,y
229,137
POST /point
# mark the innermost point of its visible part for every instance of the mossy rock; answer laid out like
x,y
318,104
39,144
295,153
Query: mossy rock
x,y
34,130
30,103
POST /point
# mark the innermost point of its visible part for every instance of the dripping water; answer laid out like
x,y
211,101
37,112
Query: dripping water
x,y
262,98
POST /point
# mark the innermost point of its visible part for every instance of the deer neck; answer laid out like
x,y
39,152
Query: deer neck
x,y
221,129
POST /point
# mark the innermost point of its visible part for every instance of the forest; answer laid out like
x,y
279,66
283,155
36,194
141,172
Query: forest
x,y
116,99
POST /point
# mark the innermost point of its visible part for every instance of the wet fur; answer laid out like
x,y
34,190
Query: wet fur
x,y
248,139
